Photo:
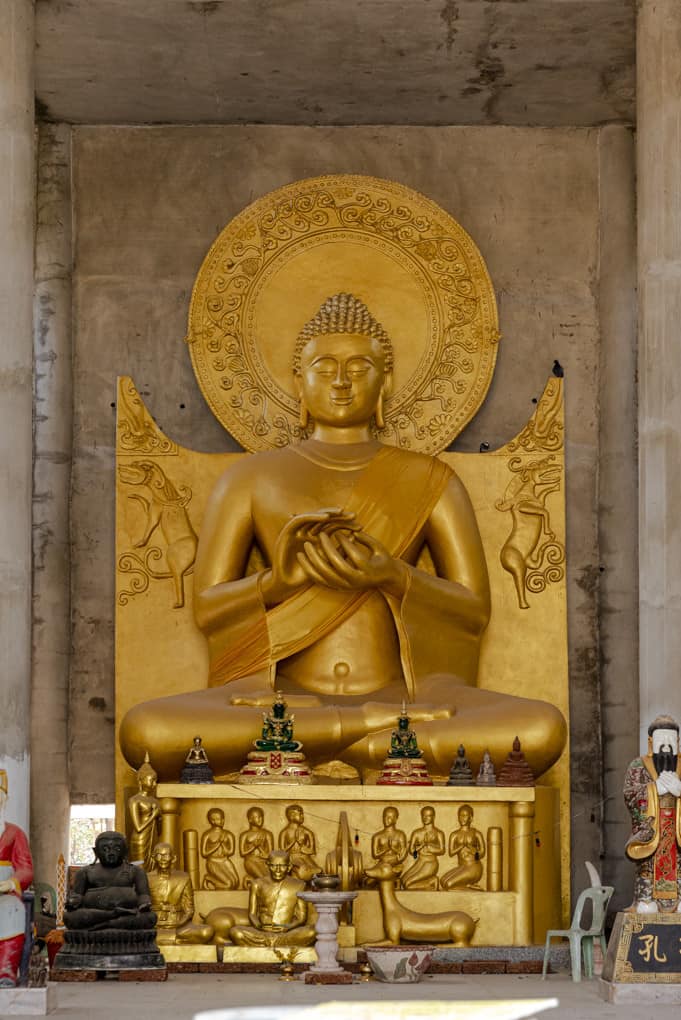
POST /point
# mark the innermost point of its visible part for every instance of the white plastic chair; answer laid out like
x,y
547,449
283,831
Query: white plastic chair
x,y
582,939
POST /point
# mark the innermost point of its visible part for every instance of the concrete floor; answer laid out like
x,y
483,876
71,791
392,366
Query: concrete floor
x,y
184,995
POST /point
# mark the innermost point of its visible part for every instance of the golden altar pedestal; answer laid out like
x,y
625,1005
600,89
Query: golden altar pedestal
x,y
528,857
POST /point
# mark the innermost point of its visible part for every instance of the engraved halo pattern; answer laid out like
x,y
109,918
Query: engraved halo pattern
x,y
418,271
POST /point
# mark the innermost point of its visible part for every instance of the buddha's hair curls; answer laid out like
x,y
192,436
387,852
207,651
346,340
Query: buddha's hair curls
x,y
343,313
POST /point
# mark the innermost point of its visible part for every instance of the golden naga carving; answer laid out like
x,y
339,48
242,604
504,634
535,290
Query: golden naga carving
x,y
217,850
137,431
426,845
544,430
468,845
335,573
404,925
165,510
531,553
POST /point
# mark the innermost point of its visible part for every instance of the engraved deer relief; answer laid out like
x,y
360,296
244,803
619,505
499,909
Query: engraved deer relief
x,y
531,554
165,512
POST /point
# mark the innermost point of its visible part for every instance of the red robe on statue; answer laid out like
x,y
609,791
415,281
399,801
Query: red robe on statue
x,y
15,854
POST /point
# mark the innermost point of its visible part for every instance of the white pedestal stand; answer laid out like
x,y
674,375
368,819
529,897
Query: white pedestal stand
x,y
327,970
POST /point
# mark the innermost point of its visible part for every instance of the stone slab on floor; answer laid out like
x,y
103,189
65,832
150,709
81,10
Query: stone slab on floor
x,y
185,995
639,992
28,1001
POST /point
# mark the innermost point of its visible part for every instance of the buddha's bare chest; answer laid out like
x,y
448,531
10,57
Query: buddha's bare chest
x,y
285,494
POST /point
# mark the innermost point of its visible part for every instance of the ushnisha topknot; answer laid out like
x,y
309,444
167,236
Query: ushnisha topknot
x,y
343,313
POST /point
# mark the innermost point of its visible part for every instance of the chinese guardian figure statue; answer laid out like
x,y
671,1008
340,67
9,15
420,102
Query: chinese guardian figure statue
x,y
340,520
652,788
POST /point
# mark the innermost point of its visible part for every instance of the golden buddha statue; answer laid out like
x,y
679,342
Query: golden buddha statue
x,y
341,619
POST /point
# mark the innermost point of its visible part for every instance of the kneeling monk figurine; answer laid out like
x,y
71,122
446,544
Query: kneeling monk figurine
x,y
341,619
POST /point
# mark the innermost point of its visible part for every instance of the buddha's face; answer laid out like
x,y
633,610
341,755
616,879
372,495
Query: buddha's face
x,y
216,818
341,378
148,784
465,817
427,815
110,850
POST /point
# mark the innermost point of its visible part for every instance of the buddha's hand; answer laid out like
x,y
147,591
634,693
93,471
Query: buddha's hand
x,y
353,561
380,715
286,573
265,700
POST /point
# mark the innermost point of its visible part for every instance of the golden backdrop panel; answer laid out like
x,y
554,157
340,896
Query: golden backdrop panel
x,y
414,266
518,493
161,492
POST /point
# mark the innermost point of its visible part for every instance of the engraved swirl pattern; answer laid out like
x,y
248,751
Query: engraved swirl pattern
x,y
454,369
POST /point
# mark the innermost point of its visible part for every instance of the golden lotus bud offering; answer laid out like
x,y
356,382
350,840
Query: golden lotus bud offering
x,y
346,586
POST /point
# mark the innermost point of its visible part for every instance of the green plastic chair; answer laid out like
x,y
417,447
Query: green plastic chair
x,y
582,939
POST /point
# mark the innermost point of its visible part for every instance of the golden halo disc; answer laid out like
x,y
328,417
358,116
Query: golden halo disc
x,y
417,270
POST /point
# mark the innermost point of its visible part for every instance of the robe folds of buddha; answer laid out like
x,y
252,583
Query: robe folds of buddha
x,y
392,501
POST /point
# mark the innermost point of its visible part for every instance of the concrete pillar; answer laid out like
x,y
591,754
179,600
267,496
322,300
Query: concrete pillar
x,y
617,497
659,280
17,201
51,491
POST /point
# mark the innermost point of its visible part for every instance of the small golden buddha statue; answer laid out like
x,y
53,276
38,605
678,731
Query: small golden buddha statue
x,y
196,767
144,813
341,619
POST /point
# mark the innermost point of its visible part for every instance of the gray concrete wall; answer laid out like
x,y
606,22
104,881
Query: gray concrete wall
x,y
52,439
148,202
617,497
17,211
